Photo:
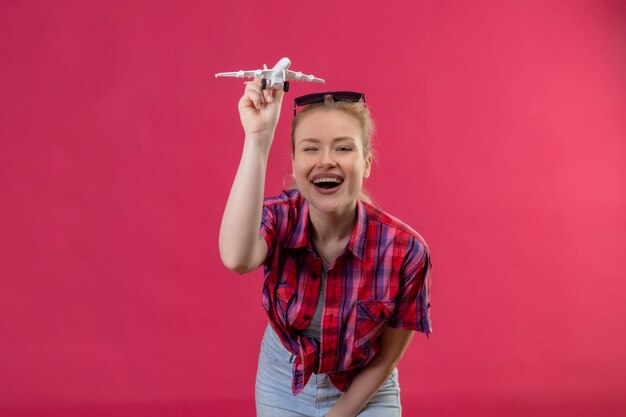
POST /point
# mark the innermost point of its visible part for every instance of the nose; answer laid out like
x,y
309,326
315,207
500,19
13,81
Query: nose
x,y
326,159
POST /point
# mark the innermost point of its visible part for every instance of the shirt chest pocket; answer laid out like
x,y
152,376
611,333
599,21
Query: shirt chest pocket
x,y
371,316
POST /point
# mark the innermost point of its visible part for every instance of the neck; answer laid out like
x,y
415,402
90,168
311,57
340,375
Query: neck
x,y
332,227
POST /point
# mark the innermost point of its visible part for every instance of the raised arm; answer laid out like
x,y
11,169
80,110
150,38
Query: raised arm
x,y
241,247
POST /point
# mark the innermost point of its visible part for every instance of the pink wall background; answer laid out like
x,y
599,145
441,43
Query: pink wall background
x,y
501,139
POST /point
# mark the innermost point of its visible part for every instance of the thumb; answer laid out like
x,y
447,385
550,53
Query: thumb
x,y
278,95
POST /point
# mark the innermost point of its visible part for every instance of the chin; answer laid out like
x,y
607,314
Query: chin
x,y
329,204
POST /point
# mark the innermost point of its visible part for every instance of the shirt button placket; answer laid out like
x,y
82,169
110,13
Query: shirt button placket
x,y
321,344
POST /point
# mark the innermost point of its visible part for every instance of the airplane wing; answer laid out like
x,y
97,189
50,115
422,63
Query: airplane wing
x,y
292,75
242,74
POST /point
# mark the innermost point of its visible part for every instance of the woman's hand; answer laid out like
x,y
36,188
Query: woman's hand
x,y
393,345
259,111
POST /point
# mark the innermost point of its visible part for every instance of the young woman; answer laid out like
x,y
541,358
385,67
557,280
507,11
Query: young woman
x,y
346,285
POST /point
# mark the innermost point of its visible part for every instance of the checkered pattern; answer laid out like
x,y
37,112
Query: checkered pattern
x,y
381,279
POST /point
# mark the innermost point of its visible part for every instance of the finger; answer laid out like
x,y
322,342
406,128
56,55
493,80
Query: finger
x,y
275,94
249,99
278,95
265,93
256,97
253,85
256,84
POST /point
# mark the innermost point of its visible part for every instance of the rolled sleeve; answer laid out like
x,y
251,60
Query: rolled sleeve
x,y
412,310
267,230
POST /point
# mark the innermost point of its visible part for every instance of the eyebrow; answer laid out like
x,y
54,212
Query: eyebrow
x,y
339,139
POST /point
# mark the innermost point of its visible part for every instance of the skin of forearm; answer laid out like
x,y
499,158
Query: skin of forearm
x,y
242,216
394,344
362,389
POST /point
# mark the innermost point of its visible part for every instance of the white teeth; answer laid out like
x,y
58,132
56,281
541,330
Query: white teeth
x,y
326,180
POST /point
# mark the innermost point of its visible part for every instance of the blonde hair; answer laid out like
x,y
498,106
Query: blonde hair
x,y
357,110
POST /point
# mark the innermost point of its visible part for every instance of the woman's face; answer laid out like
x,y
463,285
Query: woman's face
x,y
328,161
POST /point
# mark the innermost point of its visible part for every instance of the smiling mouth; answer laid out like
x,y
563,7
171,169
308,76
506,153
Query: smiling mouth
x,y
327,183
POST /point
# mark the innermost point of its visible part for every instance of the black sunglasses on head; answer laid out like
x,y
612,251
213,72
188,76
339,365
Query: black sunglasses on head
x,y
319,97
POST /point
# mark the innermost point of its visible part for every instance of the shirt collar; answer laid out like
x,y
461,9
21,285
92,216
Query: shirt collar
x,y
356,245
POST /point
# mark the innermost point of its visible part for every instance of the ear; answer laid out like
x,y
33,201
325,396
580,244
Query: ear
x,y
368,167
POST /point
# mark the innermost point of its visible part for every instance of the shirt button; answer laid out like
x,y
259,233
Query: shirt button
x,y
307,317
314,277
381,315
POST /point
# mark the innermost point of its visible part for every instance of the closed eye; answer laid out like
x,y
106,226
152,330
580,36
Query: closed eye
x,y
344,148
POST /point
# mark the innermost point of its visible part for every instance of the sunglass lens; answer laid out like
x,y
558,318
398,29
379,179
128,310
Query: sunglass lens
x,y
347,96
309,99
337,96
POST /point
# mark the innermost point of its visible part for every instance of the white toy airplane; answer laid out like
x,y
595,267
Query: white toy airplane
x,y
274,78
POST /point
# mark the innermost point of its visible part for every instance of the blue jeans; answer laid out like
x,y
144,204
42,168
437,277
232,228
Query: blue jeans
x,y
275,399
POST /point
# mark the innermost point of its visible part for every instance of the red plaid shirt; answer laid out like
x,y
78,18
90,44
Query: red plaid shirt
x,y
381,279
